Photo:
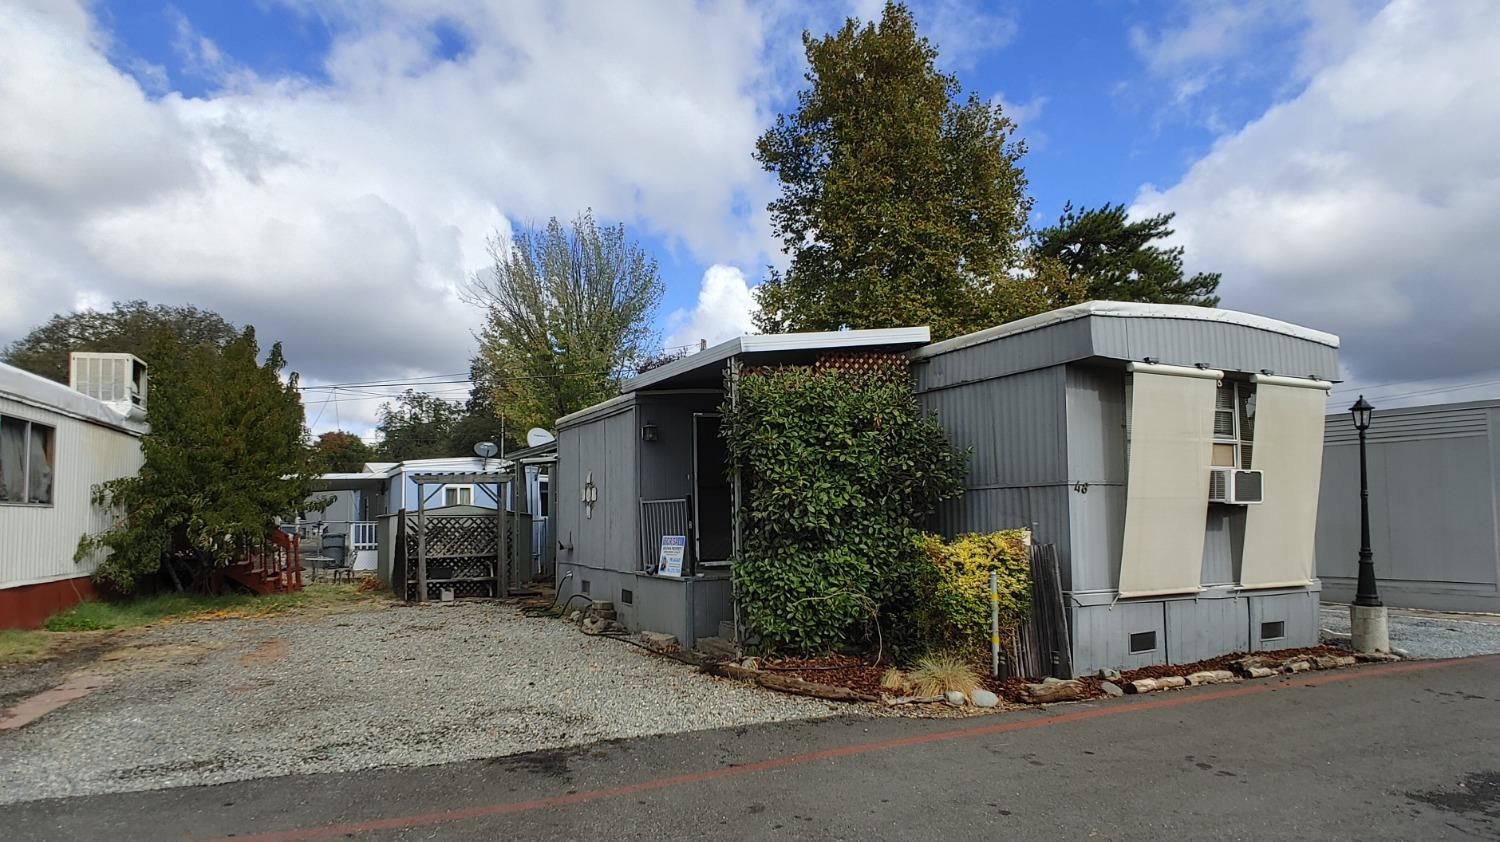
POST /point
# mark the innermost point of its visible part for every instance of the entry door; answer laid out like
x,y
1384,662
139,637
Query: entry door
x,y
713,510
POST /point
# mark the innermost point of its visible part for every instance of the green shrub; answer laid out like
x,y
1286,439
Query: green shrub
x,y
953,608
840,468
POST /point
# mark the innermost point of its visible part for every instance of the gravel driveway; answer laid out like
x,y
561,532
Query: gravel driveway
x,y
1429,634
212,701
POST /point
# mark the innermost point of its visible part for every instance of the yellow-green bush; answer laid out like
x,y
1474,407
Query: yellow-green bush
x,y
954,606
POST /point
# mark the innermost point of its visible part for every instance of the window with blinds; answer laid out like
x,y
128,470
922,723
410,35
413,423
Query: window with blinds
x,y
1234,424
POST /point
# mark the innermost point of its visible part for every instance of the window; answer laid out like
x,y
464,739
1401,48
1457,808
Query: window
x,y
1234,424
458,495
26,461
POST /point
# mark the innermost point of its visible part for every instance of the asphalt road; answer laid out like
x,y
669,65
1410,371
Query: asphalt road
x,y
1404,751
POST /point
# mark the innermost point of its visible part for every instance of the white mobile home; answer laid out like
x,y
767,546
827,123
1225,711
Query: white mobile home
x,y
56,444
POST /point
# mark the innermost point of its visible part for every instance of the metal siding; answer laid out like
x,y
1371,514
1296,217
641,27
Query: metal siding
x,y
1298,610
1433,516
1013,426
1220,345
622,505
1022,352
1218,544
1199,629
37,543
1101,635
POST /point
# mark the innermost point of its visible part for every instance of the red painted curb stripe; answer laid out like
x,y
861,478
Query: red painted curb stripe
x,y
1116,709
32,708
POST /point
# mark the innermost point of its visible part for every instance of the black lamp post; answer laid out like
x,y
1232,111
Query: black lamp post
x,y
1365,593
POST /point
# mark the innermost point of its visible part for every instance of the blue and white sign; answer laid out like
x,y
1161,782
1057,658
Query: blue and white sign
x,y
673,548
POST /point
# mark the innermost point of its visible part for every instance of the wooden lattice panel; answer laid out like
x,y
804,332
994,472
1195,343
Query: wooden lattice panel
x,y
461,555
869,364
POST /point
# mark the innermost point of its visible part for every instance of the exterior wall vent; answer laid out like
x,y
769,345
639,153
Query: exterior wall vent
x,y
1142,642
1273,630
584,585
627,596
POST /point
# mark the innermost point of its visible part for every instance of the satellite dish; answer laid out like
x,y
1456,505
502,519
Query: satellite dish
x,y
486,449
536,436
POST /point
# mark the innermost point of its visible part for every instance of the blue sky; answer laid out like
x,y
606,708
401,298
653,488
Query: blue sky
x,y
329,171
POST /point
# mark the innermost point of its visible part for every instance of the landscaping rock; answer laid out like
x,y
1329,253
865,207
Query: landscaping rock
x,y
1109,674
1244,665
1110,688
1052,679
1171,682
1142,685
1261,672
955,698
659,641
1347,660
1326,662
1296,666
1372,657
1053,690
984,699
1211,677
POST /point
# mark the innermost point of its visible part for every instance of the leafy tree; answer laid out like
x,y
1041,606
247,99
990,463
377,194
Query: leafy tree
x,y
1114,258
840,469
225,456
128,327
568,309
418,426
900,203
341,451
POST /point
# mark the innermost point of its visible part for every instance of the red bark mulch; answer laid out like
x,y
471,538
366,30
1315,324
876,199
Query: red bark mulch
x,y
858,674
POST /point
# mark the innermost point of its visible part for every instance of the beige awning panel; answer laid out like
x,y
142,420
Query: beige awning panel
x,y
1279,533
1166,495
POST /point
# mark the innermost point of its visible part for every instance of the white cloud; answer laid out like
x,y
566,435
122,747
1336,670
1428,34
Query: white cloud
x,y
1368,204
724,310
342,215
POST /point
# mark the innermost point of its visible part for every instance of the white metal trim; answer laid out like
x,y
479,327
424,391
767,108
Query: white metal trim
x,y
1295,382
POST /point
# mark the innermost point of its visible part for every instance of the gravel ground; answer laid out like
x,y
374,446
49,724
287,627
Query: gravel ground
x,y
213,701
1428,634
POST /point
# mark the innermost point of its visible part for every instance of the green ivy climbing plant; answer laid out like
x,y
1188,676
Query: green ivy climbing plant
x,y
840,468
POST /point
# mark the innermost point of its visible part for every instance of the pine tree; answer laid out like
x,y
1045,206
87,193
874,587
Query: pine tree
x,y
1115,259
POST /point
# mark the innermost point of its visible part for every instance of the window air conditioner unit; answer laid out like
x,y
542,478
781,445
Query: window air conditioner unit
x,y
1235,486
118,380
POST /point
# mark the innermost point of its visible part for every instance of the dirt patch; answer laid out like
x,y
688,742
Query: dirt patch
x,y
269,652
151,657
69,653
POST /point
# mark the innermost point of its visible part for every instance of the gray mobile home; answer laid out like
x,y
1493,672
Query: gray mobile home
x,y
650,463
1170,453
1433,497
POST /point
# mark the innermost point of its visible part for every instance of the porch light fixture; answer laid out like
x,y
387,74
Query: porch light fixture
x,y
648,432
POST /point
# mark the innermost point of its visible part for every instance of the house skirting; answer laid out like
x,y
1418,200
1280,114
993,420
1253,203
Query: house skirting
x,y
690,607
28,606
1132,633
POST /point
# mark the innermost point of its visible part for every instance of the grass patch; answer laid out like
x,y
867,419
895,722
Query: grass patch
x,y
124,614
18,646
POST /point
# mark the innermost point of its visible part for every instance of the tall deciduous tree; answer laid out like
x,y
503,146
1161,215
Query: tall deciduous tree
x,y
128,326
338,450
418,426
900,203
568,309
226,455
1117,259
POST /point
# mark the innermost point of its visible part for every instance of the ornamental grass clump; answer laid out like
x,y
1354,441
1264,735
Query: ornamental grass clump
x,y
935,675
